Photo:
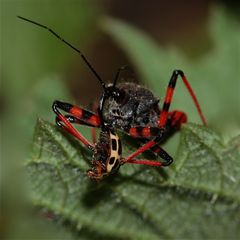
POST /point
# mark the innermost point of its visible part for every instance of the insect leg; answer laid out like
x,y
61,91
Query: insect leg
x,y
78,116
62,122
168,98
157,149
78,113
174,120
123,68
145,132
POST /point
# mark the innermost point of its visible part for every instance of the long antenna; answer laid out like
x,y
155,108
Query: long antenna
x,y
123,68
70,45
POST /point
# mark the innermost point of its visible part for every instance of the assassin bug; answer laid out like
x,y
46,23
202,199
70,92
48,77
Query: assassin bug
x,y
129,107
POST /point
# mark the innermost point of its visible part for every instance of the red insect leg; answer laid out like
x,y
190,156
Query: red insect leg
x,y
168,98
144,162
140,150
69,128
155,148
82,116
78,115
175,120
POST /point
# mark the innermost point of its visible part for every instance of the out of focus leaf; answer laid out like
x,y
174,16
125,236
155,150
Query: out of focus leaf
x,y
24,45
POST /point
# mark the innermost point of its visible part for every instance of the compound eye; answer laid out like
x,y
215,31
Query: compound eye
x,y
120,96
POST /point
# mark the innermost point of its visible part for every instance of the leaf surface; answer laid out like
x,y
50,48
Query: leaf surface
x,y
197,197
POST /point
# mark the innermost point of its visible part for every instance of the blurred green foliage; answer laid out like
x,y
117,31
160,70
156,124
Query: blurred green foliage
x,y
27,92
25,63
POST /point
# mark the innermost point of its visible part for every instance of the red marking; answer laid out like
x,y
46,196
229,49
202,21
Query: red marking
x,y
68,127
140,150
169,94
145,162
77,112
168,99
162,119
157,150
176,118
94,120
185,81
133,132
184,119
146,132
164,113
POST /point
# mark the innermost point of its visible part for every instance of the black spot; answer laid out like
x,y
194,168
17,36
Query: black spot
x,y
145,120
154,131
86,115
139,131
114,144
116,165
112,160
119,147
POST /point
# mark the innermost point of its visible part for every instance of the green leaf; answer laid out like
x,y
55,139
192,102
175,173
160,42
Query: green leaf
x,y
198,197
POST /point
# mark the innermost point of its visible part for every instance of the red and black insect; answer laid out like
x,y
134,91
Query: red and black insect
x,y
128,107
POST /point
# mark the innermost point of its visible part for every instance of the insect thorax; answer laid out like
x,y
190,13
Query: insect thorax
x,y
136,106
